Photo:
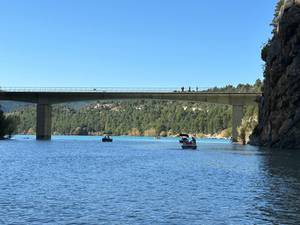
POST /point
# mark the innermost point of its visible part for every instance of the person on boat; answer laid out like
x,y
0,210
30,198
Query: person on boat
x,y
193,140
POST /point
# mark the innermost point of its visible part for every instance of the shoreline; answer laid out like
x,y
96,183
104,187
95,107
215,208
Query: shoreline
x,y
141,136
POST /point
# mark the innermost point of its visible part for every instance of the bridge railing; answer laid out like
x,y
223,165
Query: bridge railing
x,y
124,89
98,89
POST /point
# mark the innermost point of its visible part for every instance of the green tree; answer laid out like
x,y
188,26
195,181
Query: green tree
x,y
8,125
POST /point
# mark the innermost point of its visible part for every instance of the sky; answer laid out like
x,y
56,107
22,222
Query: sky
x,y
132,43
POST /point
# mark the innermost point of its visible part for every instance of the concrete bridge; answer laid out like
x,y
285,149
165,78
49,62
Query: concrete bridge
x,y
46,97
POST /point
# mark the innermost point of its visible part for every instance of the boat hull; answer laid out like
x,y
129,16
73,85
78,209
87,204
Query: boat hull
x,y
193,147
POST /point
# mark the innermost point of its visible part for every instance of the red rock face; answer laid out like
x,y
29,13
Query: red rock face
x,y
279,122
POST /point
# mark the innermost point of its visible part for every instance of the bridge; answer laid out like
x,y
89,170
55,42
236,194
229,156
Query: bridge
x,y
44,98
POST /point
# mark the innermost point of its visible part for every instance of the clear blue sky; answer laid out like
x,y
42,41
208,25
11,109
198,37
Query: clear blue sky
x,y
131,43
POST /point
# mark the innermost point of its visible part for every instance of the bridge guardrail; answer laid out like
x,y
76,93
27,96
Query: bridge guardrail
x,y
97,89
124,89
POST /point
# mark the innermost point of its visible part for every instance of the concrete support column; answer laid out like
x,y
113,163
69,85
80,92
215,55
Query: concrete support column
x,y
237,116
43,121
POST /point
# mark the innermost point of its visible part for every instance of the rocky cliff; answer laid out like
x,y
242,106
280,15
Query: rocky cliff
x,y
279,119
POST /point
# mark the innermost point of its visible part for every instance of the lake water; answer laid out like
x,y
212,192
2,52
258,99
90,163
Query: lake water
x,y
79,180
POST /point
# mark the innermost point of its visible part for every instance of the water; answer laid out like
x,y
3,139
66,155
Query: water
x,y
79,180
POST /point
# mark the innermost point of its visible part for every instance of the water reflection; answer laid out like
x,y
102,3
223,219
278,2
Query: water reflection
x,y
279,199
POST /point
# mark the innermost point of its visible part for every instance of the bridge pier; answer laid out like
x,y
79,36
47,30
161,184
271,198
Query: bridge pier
x,y
43,121
237,116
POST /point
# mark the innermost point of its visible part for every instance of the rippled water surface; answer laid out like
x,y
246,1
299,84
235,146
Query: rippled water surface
x,y
145,181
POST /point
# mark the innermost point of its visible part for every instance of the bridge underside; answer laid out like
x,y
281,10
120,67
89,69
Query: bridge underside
x,y
44,103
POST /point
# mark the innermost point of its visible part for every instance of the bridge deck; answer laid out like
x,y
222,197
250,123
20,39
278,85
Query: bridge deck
x,y
54,97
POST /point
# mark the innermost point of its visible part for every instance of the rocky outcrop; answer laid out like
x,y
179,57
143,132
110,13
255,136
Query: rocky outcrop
x,y
279,119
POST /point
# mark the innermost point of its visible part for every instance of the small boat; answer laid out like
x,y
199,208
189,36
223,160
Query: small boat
x,y
107,139
186,143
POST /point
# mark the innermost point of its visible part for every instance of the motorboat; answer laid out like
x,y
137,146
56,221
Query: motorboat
x,y
186,143
107,139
